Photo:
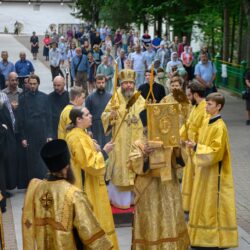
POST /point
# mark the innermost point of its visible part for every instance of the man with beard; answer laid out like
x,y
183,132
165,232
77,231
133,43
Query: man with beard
x,y
56,214
58,99
35,127
195,93
96,103
122,179
89,167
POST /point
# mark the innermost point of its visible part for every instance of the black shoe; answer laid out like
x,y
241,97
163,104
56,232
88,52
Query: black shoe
x,y
248,122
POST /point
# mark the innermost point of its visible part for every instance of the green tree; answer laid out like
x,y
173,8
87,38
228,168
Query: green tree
x,y
88,10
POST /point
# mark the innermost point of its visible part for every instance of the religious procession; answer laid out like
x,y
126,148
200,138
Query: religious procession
x,y
123,135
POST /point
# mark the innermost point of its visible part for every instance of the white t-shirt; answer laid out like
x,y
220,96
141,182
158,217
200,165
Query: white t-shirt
x,y
138,61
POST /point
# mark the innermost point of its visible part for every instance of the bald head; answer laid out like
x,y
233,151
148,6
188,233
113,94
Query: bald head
x,y
78,51
13,80
59,84
22,55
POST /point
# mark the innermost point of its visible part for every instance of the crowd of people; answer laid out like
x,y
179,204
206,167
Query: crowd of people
x,y
97,145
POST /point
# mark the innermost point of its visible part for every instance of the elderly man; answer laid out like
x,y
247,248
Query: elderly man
x,y
6,66
139,65
107,70
12,90
80,69
205,73
122,179
23,68
58,99
56,214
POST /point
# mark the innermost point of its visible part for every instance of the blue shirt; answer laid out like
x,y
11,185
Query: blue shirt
x,y
6,68
24,68
156,41
205,71
83,66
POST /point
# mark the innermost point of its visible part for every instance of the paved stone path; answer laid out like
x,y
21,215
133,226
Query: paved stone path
x,y
234,115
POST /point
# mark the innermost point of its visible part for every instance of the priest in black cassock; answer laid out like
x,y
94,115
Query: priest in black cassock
x,y
96,103
7,153
35,127
58,100
158,89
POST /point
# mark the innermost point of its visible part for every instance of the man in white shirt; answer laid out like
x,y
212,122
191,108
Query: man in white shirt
x,y
139,65
54,61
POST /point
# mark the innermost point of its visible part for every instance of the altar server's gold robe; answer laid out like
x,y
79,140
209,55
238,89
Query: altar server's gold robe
x,y
85,157
212,220
53,211
158,218
191,132
131,130
64,121
1,228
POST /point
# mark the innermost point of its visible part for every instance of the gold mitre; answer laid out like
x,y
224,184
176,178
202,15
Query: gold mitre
x,y
127,75
163,123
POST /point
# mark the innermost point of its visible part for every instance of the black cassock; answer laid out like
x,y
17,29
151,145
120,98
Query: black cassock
x,y
158,90
8,163
96,103
57,104
34,120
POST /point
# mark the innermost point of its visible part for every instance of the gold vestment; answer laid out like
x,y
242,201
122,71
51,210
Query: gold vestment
x,y
52,210
159,218
64,121
212,221
191,132
131,130
85,157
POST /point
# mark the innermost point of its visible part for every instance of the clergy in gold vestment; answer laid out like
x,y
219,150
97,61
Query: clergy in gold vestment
x,y
76,100
212,220
158,218
122,179
1,228
56,214
88,165
195,93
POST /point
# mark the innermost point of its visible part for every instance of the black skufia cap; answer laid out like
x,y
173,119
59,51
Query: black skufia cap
x,y
143,117
56,155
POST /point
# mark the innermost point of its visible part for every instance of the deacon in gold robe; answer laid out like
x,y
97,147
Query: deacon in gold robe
x,y
195,93
158,218
76,96
56,214
88,165
2,246
212,218
122,178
